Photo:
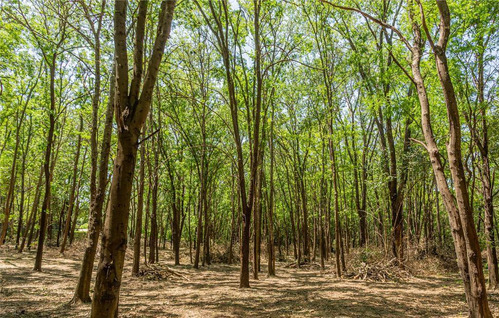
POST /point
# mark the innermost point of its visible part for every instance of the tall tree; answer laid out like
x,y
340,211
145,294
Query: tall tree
x,y
97,184
131,110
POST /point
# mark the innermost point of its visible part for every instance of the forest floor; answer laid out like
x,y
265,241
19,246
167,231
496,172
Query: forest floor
x,y
212,291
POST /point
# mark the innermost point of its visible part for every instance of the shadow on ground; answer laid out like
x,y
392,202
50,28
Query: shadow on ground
x,y
213,292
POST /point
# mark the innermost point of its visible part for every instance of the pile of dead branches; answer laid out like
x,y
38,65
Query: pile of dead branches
x,y
159,272
304,265
381,271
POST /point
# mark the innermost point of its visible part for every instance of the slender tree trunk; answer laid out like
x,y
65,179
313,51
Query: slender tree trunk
x,y
271,258
438,216
479,297
32,217
199,230
48,152
23,190
176,233
82,289
467,262
146,223
73,188
97,191
206,232
336,202
64,207
233,213
257,225
138,223
245,248
305,230
483,145
153,235
10,192
77,202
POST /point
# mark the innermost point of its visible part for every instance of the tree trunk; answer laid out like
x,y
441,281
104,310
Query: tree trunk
x,y
271,259
153,235
73,188
77,202
336,200
131,113
257,206
479,298
10,192
138,223
199,230
96,205
114,239
34,209
46,167
176,233
23,190
483,145
466,248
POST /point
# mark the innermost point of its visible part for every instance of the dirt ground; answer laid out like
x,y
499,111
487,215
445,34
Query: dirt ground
x,y
213,292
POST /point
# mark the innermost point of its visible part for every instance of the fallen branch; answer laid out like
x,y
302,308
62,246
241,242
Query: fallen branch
x,y
159,272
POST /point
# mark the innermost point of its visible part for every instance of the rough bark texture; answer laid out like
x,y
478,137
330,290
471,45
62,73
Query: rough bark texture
x,y
131,112
478,302
459,211
437,166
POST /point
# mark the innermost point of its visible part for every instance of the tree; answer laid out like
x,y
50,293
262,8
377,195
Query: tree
x,y
97,184
131,110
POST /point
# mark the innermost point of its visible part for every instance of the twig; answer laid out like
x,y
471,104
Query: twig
x,y
151,135
420,143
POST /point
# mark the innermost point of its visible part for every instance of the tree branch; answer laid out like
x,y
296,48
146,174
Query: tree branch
x,y
379,22
421,143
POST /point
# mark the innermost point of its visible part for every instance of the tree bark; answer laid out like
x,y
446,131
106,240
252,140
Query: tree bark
x,y
131,113
34,209
482,143
23,190
478,298
138,222
82,291
463,231
46,167
73,188
10,192
336,199
271,259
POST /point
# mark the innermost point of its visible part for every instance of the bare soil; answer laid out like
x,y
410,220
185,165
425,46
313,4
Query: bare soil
x,y
213,291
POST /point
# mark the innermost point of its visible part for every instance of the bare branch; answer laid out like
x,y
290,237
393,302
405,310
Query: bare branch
x,y
379,22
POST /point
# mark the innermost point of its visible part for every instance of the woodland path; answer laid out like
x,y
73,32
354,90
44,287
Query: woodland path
x,y
214,292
